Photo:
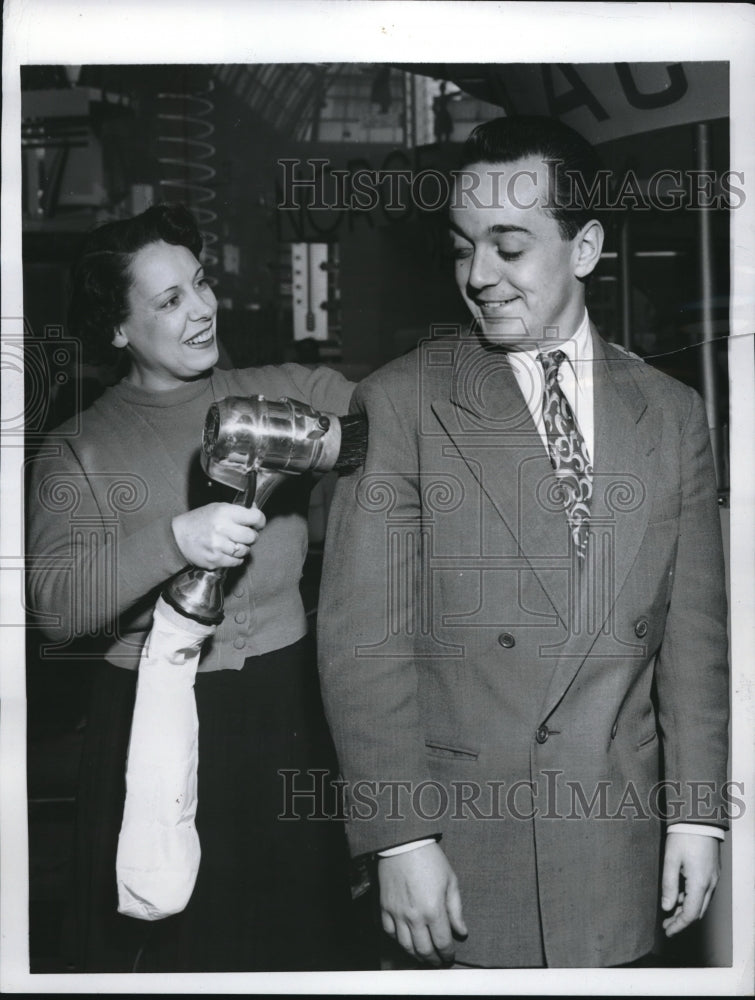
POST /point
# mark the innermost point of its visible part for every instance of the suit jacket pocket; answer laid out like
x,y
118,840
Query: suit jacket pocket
x,y
441,748
647,741
665,507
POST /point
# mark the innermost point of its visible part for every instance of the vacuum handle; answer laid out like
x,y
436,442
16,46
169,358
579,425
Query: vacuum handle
x,y
247,497
198,593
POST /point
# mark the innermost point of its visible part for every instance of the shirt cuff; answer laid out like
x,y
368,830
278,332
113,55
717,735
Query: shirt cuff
x,y
700,828
403,848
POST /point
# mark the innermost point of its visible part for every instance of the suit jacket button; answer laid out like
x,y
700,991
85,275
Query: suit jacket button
x,y
641,629
542,734
507,640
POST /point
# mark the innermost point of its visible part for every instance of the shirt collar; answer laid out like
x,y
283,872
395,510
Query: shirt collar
x,y
578,348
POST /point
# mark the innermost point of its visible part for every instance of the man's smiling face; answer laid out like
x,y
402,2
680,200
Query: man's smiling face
x,y
516,272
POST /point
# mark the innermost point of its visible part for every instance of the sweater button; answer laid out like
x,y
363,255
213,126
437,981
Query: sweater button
x,y
239,642
542,734
507,640
239,592
240,617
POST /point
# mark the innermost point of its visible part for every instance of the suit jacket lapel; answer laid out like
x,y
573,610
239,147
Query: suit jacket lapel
x,y
625,455
489,424
624,475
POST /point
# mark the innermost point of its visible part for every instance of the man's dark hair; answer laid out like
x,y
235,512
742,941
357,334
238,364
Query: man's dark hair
x,y
101,274
503,140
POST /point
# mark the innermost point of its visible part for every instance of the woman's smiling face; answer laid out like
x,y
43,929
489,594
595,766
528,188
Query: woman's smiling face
x,y
170,330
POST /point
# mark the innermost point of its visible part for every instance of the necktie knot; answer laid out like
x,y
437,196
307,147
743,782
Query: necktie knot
x,y
551,362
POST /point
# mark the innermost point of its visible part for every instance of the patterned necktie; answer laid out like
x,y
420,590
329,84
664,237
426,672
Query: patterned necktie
x,y
568,453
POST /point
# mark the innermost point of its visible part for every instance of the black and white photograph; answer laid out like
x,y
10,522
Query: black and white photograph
x,y
378,508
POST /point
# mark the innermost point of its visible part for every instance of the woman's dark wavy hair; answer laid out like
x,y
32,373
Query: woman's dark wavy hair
x,y
504,140
101,275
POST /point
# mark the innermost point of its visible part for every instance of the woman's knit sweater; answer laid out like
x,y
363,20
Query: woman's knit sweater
x,y
104,490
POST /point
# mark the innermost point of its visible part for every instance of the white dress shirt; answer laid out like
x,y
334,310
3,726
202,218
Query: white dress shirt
x,y
577,385
575,380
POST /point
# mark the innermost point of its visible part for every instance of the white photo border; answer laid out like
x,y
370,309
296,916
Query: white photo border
x,y
59,32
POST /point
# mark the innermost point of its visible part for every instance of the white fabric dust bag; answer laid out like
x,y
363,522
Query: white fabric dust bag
x,y
158,847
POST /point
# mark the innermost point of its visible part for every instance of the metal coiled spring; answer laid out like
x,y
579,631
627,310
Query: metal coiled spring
x,y
184,152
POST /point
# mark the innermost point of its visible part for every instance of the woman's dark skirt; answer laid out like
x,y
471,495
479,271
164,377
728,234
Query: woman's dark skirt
x,y
272,893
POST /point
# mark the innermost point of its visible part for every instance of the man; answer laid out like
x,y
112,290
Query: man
x,y
522,621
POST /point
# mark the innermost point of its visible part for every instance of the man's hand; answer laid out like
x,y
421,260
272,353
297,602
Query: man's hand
x,y
696,858
420,903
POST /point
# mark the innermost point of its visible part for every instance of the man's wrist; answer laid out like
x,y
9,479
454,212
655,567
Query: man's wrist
x,y
699,829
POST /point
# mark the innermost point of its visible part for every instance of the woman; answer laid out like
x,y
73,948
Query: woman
x,y
118,505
